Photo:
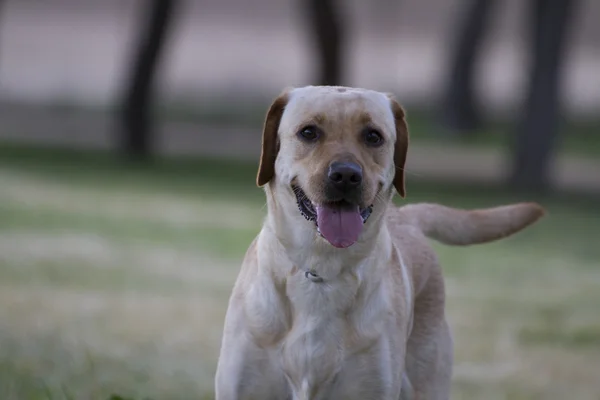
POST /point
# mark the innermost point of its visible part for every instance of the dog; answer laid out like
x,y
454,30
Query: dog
x,y
340,295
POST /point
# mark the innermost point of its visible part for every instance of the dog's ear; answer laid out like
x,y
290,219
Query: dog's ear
x,y
270,140
401,146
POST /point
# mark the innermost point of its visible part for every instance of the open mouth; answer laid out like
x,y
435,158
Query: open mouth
x,y
339,222
307,209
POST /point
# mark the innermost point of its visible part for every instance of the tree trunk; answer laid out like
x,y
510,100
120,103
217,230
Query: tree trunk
x,y
136,139
460,112
328,34
538,127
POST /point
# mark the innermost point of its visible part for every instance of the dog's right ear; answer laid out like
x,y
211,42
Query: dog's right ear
x,y
270,140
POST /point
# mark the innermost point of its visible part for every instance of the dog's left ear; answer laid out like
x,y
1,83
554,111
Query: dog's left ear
x,y
270,141
401,146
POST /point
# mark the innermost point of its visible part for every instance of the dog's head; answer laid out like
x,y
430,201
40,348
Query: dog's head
x,y
334,155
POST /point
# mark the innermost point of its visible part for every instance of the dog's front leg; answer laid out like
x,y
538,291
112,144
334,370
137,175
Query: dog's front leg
x,y
245,371
248,367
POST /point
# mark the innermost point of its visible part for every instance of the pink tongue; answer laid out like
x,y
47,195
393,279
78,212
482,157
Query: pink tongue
x,y
340,226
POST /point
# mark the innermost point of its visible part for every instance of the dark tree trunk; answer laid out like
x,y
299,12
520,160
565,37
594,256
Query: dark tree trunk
x,y
459,108
328,35
538,127
136,139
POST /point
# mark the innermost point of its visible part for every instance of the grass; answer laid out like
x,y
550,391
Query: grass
x,y
114,279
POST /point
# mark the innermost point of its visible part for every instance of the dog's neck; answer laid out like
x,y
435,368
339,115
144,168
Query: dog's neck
x,y
299,243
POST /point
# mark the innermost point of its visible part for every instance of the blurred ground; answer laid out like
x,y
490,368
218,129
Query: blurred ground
x,y
115,279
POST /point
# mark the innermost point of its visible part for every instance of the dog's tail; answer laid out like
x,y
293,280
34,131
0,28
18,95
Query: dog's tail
x,y
465,227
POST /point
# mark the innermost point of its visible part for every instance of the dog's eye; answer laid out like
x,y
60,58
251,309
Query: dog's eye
x,y
309,133
373,138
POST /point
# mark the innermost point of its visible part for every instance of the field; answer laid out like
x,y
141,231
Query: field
x,y
114,279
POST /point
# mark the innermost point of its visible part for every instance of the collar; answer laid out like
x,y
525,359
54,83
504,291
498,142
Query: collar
x,y
312,276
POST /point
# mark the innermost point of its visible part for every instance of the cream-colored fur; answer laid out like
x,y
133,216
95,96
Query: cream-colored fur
x,y
374,327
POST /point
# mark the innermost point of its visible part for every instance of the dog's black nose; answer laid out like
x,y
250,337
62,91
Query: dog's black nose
x,y
345,176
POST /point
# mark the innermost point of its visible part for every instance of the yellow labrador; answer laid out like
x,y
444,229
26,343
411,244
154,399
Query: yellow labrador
x,y
340,296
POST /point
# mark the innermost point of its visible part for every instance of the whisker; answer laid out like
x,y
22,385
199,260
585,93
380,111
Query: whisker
x,y
263,206
409,172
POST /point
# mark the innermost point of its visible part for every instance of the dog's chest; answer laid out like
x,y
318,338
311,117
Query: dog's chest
x,y
337,333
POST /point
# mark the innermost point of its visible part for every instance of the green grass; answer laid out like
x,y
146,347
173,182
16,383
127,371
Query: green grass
x,y
114,279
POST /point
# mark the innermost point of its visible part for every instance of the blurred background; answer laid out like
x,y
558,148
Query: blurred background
x,y
129,142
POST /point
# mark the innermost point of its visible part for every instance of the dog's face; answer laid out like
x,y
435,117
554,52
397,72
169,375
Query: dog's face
x,y
337,152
